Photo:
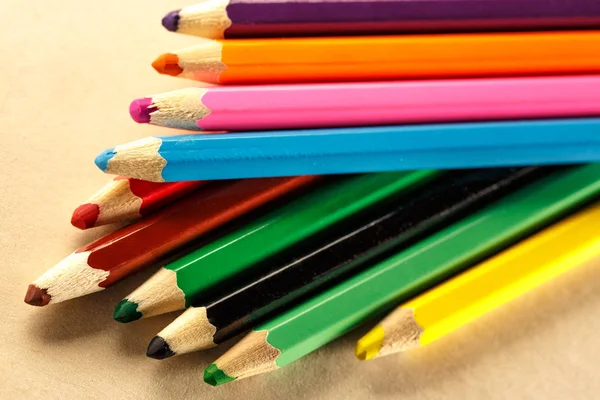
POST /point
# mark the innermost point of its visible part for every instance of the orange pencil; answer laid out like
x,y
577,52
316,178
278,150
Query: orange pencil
x,y
385,57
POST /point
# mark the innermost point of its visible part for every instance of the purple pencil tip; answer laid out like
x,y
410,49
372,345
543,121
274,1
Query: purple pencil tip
x,y
139,110
171,21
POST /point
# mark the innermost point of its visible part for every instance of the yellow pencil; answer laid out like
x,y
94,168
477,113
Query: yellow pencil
x,y
487,286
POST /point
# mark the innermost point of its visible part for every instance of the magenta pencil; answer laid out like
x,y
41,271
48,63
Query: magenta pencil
x,y
243,108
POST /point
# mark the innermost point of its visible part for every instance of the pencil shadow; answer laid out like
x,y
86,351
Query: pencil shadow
x,y
85,316
299,378
187,371
313,376
92,314
423,370
87,236
490,337
136,335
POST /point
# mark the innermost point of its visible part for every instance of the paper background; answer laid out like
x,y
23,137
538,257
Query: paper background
x,y
69,70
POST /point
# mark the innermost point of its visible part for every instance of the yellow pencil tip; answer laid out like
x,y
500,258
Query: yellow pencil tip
x,y
369,345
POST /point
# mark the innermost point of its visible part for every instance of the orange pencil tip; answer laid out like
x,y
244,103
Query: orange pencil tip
x,y
36,296
167,64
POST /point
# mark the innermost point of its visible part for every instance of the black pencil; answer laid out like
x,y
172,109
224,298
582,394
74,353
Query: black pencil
x,y
301,271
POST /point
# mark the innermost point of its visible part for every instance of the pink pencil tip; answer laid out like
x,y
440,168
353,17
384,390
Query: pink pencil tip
x,y
85,216
139,110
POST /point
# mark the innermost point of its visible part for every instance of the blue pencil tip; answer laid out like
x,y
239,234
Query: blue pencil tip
x,y
103,158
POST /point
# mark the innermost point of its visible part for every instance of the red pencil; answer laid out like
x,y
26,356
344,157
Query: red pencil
x,y
124,199
121,253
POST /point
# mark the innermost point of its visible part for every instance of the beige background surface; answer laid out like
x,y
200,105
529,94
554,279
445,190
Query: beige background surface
x,y
69,70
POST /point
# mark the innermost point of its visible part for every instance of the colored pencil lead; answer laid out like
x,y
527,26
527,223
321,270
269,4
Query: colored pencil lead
x,y
36,296
180,109
126,311
139,110
167,64
369,345
159,349
251,356
214,376
192,331
85,216
171,21
205,66
169,297
206,19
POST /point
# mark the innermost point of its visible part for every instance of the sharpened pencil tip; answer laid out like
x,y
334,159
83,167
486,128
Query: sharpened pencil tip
x,y
36,296
159,349
167,64
126,311
85,216
171,21
215,377
361,354
368,346
103,158
139,110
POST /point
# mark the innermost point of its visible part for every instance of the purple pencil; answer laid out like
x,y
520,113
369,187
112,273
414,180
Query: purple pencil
x,y
218,19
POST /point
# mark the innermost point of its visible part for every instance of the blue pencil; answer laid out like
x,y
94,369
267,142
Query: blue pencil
x,y
356,150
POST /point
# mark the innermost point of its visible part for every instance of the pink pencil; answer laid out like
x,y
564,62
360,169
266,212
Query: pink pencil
x,y
243,108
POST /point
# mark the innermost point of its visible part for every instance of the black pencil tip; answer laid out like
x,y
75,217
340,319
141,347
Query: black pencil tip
x,y
159,349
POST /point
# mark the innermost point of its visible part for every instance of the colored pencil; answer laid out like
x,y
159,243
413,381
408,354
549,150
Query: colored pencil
x,y
485,287
124,199
164,234
255,18
334,312
351,150
385,57
205,272
303,272
238,108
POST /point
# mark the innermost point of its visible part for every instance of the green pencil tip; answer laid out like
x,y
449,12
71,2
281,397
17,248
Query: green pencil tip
x,y
126,311
214,376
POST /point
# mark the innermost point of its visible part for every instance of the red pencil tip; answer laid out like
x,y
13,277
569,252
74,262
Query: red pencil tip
x,y
85,216
36,296
167,64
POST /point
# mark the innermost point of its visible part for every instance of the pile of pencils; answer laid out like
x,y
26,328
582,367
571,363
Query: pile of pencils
x,y
434,166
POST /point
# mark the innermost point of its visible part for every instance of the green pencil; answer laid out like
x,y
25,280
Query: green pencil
x,y
199,273
332,313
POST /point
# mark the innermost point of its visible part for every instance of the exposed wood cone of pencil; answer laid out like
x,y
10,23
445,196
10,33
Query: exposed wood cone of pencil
x,y
485,287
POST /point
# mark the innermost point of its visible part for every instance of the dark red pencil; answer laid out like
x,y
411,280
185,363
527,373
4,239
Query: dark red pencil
x,y
121,253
